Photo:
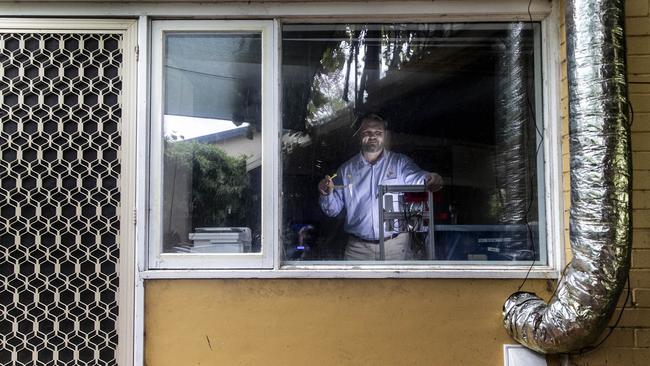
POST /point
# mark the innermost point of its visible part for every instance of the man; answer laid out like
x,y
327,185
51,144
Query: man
x,y
358,193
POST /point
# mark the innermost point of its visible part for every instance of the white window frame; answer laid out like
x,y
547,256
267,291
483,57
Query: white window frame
x,y
202,266
270,144
540,182
315,12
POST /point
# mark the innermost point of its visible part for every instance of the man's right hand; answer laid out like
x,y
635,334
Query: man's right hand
x,y
326,186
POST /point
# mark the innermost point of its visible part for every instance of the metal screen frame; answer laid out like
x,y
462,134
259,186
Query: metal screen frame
x,y
126,212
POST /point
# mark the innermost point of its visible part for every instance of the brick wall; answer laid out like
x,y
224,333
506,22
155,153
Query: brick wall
x,y
629,344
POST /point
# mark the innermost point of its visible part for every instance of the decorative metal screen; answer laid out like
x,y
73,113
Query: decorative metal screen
x,y
59,198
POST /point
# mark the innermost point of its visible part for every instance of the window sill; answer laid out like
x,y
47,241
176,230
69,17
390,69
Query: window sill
x,y
357,272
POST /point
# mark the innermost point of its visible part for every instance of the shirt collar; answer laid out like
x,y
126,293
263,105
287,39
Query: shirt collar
x,y
364,162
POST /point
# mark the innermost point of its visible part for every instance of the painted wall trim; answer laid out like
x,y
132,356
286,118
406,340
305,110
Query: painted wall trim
x,y
141,186
464,273
448,10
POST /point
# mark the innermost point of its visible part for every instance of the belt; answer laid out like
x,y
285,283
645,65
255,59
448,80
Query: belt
x,y
393,236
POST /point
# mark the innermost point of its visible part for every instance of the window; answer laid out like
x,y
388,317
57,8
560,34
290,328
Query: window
x,y
458,99
212,113
249,117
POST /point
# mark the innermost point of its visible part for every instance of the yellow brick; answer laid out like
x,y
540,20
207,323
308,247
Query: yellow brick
x,y
620,338
641,239
640,278
641,122
566,153
628,356
637,26
639,64
632,318
638,77
566,218
566,185
641,160
640,102
567,199
638,88
636,8
641,219
641,141
641,200
623,297
642,337
566,160
641,297
597,357
641,179
638,45
641,259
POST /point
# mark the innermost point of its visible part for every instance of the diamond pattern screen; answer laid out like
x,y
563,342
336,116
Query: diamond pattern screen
x,y
59,198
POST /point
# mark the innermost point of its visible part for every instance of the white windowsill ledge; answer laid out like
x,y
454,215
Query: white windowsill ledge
x,y
324,272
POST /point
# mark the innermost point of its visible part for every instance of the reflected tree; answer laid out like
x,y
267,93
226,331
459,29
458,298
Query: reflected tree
x,y
349,69
219,183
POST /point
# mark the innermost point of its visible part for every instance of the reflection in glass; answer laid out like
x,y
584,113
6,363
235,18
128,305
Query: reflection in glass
x,y
212,143
460,100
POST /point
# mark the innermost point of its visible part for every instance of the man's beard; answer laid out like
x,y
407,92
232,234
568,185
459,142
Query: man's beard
x,y
372,147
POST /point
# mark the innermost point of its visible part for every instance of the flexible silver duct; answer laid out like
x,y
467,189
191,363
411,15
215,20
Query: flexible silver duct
x,y
600,189
512,120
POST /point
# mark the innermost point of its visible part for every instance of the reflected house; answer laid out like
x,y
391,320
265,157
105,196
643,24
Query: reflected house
x,y
211,128
196,228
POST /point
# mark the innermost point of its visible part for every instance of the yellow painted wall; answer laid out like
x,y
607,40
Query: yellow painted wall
x,y
327,322
395,322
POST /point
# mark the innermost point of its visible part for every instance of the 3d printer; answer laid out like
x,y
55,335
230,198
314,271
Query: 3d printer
x,y
407,208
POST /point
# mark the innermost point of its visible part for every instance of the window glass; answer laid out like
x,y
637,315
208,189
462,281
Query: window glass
x,y
211,142
412,142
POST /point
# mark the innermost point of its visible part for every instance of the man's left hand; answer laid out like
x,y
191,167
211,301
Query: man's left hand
x,y
434,182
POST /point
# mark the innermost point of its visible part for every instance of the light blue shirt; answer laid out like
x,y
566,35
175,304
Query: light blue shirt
x,y
356,189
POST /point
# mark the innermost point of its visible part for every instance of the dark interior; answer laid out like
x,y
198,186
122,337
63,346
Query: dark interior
x,y
438,90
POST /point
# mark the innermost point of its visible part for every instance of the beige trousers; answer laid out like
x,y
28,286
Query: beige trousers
x,y
395,249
